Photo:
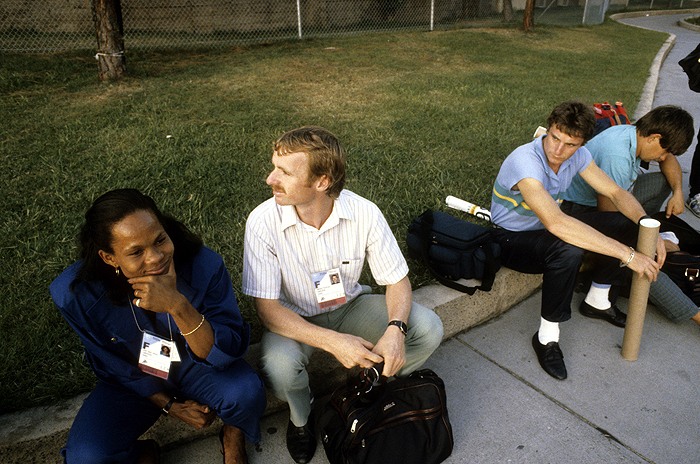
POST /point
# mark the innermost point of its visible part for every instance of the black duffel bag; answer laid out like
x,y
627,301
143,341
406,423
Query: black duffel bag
x,y
684,270
403,421
683,267
454,249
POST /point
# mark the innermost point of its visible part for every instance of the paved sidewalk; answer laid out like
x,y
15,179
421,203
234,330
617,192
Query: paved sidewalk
x,y
504,408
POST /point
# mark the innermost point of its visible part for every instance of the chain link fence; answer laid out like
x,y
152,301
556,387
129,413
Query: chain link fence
x,y
54,25
59,25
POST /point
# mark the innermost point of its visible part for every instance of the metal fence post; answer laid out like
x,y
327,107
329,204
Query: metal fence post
x,y
299,16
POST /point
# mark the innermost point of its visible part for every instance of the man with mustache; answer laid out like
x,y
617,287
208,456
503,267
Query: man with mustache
x,y
295,243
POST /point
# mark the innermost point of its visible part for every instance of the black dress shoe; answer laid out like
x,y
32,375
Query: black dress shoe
x,y
301,442
613,314
550,357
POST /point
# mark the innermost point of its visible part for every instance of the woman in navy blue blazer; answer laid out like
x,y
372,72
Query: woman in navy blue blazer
x,y
158,318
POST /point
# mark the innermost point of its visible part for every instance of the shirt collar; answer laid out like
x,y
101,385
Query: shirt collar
x,y
341,210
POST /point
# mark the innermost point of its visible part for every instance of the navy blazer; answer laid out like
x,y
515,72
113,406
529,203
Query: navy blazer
x,y
112,340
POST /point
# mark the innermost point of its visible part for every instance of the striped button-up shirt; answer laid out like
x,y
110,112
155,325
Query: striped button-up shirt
x,y
282,253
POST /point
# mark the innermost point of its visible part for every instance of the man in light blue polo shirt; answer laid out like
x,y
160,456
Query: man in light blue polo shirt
x,y
536,237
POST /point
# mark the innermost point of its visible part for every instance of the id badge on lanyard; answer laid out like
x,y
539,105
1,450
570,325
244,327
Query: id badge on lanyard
x,y
156,352
329,288
156,355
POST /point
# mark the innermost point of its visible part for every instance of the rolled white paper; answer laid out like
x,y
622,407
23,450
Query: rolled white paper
x,y
471,208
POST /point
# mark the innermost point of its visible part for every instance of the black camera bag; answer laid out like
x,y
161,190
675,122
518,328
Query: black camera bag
x,y
454,249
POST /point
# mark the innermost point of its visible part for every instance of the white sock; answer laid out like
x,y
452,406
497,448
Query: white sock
x,y
598,296
549,331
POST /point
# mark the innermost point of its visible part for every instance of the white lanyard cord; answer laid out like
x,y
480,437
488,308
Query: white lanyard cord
x,y
137,322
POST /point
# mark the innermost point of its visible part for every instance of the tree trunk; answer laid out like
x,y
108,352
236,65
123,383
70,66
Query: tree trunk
x,y
529,15
110,39
507,10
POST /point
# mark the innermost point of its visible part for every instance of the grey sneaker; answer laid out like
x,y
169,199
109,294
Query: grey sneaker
x,y
693,204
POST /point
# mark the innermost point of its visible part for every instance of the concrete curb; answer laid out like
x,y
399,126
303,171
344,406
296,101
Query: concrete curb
x,y
646,100
648,92
637,14
685,24
37,434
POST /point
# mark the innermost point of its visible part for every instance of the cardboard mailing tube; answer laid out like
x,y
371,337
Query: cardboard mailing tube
x,y
639,291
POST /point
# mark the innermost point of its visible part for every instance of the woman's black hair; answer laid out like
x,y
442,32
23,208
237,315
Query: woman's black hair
x,y
96,235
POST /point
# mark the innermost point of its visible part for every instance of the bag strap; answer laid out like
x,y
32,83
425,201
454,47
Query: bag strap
x,y
454,285
490,267
617,118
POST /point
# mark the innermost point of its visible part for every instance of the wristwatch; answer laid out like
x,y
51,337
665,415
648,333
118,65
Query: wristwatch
x,y
166,409
401,325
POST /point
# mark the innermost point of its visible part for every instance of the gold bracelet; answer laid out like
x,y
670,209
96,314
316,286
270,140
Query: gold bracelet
x,y
629,260
195,329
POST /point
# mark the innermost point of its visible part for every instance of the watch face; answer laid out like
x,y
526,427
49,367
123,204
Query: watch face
x,y
401,325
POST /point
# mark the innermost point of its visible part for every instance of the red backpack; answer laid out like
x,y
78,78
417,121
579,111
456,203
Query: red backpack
x,y
607,115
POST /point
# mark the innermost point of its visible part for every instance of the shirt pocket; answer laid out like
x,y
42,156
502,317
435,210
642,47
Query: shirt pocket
x,y
350,270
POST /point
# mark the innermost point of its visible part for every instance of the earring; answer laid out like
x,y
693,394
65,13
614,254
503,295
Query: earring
x,y
116,270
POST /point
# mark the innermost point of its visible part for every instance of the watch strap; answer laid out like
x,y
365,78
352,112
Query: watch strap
x,y
401,325
169,404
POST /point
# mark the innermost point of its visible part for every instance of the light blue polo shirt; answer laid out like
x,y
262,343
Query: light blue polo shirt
x,y
508,210
615,151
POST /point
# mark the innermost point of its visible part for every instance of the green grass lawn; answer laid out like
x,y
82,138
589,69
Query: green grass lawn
x,y
423,115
